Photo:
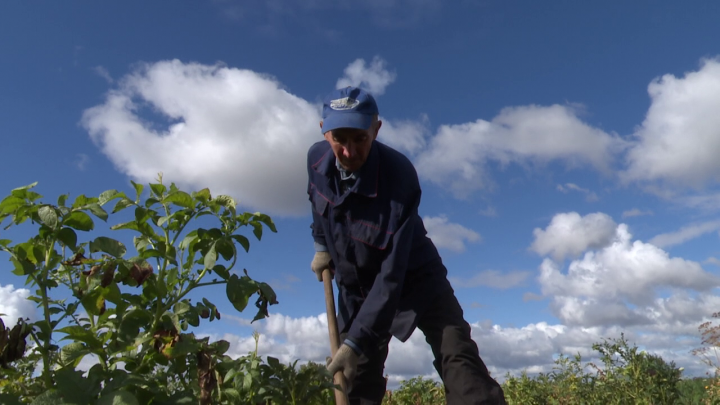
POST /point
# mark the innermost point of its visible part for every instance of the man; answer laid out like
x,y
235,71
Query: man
x,y
391,280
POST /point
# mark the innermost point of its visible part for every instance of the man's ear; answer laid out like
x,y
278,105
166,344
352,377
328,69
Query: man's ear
x,y
321,124
377,129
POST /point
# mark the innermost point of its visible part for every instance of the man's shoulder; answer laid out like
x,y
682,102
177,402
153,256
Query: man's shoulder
x,y
395,160
317,151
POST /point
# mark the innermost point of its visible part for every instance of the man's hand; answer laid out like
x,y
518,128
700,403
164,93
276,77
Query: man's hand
x,y
345,359
320,262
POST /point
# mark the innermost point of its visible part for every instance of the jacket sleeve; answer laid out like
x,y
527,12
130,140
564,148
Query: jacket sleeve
x,y
317,229
379,307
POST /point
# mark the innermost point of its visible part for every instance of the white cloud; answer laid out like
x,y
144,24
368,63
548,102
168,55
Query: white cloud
x,y
528,134
531,348
373,77
492,279
449,235
405,136
590,196
569,234
680,136
635,212
103,72
235,131
685,234
712,260
14,304
620,283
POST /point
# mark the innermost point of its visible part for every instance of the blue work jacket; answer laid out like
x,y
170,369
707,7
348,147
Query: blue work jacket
x,y
387,270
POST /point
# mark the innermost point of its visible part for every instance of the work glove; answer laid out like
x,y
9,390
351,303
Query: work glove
x,y
320,262
345,359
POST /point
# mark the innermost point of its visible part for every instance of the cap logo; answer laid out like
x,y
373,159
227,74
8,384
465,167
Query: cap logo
x,y
347,103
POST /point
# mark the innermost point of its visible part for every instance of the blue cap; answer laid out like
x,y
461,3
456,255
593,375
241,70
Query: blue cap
x,y
350,107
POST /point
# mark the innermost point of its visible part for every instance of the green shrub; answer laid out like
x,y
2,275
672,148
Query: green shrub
x,y
133,313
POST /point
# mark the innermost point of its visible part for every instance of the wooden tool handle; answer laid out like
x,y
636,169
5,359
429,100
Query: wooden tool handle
x,y
339,377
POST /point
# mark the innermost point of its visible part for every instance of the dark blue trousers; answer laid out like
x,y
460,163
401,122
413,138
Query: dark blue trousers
x,y
457,360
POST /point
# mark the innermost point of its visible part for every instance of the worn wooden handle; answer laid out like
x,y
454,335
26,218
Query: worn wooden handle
x,y
339,378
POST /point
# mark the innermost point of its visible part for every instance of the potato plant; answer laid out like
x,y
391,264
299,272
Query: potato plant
x,y
132,314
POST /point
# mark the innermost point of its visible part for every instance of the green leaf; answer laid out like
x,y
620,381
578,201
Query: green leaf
x,y
5,242
82,200
80,334
48,216
225,248
73,386
268,293
221,271
62,199
120,397
93,302
23,267
109,246
202,196
11,203
148,253
29,186
265,219
72,353
189,238
158,189
49,397
239,291
141,242
138,190
243,241
7,399
109,195
180,198
122,204
210,257
131,225
257,229
182,307
225,201
80,221
221,346
98,211
68,237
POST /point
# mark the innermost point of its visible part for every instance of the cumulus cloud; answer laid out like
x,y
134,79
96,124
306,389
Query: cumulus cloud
x,y
492,279
530,348
678,141
449,235
406,136
232,130
685,234
620,284
373,77
14,304
590,196
528,134
635,212
569,234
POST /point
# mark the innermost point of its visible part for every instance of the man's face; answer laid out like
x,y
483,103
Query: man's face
x,y
352,146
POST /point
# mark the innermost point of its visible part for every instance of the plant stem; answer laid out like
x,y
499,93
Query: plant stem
x,y
47,376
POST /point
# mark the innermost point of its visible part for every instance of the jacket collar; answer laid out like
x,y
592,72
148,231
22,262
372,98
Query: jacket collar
x,y
367,177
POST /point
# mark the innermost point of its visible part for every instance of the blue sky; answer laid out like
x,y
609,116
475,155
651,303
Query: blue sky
x,y
566,149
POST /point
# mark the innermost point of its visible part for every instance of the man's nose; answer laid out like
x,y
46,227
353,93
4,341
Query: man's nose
x,y
349,150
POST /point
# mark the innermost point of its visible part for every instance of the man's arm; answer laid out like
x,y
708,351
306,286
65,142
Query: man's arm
x,y
378,310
